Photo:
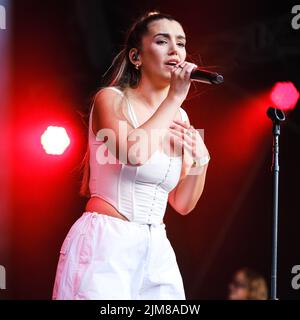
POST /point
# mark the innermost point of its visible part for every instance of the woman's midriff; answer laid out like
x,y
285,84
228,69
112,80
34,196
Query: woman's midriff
x,y
101,206
96,204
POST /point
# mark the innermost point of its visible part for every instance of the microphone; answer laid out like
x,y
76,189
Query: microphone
x,y
205,76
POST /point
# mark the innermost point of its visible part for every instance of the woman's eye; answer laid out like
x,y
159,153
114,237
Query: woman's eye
x,y
161,41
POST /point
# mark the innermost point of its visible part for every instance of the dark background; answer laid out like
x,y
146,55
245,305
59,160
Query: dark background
x,y
59,51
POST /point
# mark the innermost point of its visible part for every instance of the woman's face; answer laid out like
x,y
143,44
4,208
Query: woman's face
x,y
239,287
162,46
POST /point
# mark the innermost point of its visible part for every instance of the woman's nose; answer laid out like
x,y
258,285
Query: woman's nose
x,y
173,50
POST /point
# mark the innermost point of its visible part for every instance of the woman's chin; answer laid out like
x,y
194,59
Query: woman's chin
x,y
166,76
163,78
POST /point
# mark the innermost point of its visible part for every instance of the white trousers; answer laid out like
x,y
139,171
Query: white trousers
x,y
107,258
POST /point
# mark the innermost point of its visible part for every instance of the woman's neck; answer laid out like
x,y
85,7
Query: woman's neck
x,y
150,94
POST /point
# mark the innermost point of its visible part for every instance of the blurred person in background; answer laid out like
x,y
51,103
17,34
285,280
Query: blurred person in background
x,y
247,284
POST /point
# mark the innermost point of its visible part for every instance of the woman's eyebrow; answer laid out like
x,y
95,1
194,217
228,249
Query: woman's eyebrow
x,y
167,35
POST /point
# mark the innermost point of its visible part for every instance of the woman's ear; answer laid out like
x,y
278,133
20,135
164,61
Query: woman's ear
x,y
134,56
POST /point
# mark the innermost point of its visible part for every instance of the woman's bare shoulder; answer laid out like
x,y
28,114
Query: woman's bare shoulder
x,y
110,105
108,93
110,100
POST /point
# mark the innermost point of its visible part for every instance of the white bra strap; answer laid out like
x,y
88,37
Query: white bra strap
x,y
131,113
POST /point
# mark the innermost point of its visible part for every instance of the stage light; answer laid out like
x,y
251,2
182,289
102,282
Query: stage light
x,y
284,95
55,140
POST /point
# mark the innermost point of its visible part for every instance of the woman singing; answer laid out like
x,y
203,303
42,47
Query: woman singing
x,y
143,153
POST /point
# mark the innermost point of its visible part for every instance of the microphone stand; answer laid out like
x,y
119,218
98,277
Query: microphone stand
x,y
276,116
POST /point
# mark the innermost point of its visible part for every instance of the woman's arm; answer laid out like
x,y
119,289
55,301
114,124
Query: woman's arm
x,y
184,197
109,119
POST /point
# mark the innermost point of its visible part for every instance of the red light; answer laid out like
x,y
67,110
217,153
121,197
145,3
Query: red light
x,y
284,95
55,140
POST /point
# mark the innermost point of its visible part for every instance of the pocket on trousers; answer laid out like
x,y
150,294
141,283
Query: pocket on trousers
x,y
85,249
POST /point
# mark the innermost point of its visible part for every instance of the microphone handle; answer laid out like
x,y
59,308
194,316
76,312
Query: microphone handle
x,y
206,77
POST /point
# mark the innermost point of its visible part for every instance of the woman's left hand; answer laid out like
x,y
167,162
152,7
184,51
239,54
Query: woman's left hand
x,y
189,138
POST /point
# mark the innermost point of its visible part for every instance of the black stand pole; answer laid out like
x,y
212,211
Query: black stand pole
x,y
276,116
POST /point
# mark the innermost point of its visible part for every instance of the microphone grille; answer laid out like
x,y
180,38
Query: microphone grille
x,y
218,79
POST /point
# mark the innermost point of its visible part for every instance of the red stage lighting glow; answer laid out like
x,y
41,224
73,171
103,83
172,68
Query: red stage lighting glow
x,y
284,95
55,140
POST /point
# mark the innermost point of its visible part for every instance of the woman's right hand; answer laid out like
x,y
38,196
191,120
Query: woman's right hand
x,y
181,80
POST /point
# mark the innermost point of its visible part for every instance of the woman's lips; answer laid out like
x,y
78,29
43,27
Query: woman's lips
x,y
169,66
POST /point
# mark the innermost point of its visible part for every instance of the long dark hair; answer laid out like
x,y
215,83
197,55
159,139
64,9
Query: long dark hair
x,y
123,73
